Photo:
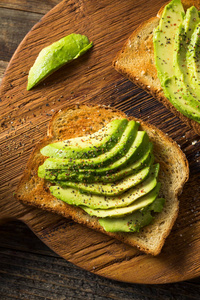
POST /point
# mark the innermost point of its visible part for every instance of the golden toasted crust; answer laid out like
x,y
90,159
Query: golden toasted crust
x,y
80,120
136,62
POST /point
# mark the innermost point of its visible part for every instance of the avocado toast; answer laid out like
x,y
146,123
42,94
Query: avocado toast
x,y
83,120
162,57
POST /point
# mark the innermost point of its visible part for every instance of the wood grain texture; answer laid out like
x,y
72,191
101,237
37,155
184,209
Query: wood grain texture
x,y
92,79
13,29
33,6
30,270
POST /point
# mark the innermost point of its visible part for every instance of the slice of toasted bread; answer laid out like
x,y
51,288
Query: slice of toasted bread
x,y
81,120
136,62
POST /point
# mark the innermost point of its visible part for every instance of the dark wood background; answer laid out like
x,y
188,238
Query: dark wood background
x,y
28,268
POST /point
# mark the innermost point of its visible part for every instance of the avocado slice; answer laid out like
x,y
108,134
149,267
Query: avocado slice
x,y
182,43
193,60
75,197
109,189
122,211
163,38
118,151
56,55
155,206
130,223
164,45
187,108
112,172
134,221
90,145
145,159
136,150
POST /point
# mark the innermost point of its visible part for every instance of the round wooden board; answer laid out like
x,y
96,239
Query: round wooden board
x,y
92,79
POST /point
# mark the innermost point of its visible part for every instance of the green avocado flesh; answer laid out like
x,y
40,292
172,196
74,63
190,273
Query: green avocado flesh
x,y
144,160
133,221
118,151
110,189
77,197
90,145
122,211
173,44
56,55
193,60
121,181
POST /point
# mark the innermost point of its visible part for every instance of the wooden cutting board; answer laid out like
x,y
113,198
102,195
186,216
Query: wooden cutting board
x,y
92,79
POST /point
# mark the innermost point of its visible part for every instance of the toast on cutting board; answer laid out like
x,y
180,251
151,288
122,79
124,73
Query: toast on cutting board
x,y
136,62
78,121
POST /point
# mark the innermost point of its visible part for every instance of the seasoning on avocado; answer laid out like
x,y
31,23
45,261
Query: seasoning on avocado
x,y
177,61
54,56
122,182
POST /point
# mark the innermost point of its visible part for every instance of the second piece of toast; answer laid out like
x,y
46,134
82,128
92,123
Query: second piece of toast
x,y
136,62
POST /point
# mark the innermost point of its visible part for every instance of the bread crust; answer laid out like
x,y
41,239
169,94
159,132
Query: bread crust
x,y
136,62
79,120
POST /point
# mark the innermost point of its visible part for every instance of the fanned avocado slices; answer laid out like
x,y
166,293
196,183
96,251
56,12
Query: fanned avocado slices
x,y
56,55
134,221
182,47
129,223
138,204
133,160
171,45
135,151
109,189
118,151
90,145
193,60
185,107
76,197
145,159
163,38
120,182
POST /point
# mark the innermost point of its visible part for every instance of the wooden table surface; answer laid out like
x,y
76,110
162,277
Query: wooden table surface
x,y
28,268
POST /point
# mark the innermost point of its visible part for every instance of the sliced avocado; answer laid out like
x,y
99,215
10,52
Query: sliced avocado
x,y
75,197
145,160
122,211
182,43
90,145
156,205
193,60
118,151
163,38
184,106
56,55
164,44
115,171
109,189
136,150
132,222
181,68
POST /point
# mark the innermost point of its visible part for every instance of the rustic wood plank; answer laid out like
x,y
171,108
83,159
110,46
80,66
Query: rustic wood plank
x,y
34,6
14,26
38,273
92,79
